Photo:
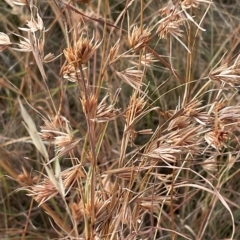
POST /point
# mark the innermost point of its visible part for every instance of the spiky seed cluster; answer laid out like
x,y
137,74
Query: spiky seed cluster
x,y
65,144
4,41
104,112
70,73
49,131
170,24
227,119
26,178
183,136
229,116
217,138
229,75
98,112
210,164
132,77
58,131
43,191
147,59
169,147
81,52
46,189
24,46
82,209
77,212
193,3
195,111
53,126
168,10
175,18
90,105
113,53
190,3
138,38
179,123
135,107
34,25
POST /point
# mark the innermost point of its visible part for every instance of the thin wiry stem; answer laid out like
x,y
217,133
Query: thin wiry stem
x,y
90,126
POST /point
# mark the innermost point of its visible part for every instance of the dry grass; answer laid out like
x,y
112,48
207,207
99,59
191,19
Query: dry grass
x,y
119,119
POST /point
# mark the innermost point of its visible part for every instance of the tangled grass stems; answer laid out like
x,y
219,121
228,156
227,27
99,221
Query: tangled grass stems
x,y
124,142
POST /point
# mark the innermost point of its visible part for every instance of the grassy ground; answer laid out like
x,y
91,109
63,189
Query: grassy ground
x,y
119,119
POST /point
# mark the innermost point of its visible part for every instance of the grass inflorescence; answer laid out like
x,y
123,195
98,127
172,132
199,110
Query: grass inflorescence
x,y
119,119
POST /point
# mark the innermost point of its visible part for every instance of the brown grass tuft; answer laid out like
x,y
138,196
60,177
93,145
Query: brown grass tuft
x,y
128,133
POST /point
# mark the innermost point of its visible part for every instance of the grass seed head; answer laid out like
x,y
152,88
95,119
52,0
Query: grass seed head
x,y
168,10
26,178
178,123
70,73
193,3
77,212
171,25
65,144
113,53
216,138
34,25
190,3
81,52
24,46
139,37
104,112
210,164
131,76
54,127
135,107
90,105
4,41
71,175
43,191
229,115
229,75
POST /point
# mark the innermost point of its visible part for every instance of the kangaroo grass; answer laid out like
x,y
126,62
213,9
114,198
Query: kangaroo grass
x,y
131,127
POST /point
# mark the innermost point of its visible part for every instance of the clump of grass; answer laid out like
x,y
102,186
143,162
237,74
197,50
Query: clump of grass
x,y
123,137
